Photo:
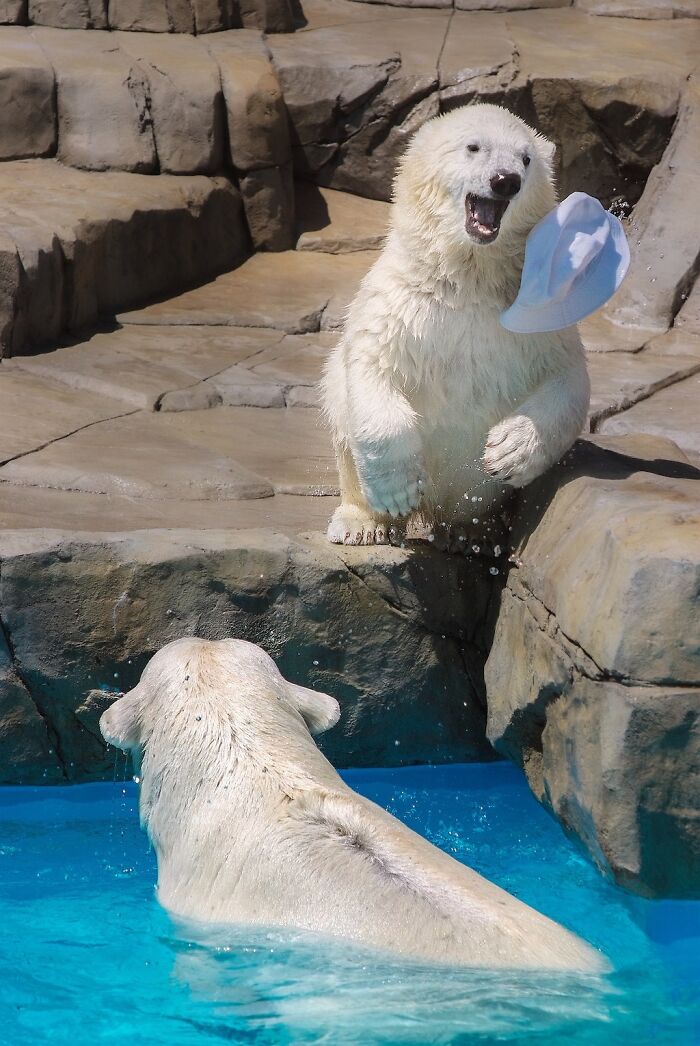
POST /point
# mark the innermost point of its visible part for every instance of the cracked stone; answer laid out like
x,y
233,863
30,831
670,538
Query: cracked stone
x,y
226,454
104,120
688,319
138,365
36,411
287,291
672,412
641,8
681,340
619,380
185,100
599,334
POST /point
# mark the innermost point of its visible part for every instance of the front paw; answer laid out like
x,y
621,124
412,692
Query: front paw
x,y
393,485
514,453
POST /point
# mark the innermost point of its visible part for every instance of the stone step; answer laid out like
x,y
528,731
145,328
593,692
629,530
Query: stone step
x,y
298,292
75,245
335,222
152,16
673,412
153,103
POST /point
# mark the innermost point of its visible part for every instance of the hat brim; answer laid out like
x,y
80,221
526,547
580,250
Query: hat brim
x,y
593,290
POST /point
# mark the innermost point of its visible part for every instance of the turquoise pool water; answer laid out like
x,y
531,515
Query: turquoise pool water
x,y
88,957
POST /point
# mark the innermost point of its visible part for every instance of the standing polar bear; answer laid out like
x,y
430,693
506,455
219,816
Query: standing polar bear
x,y
252,825
435,406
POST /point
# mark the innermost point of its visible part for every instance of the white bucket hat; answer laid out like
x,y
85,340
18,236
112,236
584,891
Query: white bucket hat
x,y
575,259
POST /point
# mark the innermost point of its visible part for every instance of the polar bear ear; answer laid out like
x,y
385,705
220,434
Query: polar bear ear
x,y
120,725
319,711
545,148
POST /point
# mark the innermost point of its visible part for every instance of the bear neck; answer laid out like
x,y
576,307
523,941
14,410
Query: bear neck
x,y
221,776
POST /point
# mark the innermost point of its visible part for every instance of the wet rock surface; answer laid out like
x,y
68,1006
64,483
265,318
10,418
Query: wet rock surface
x,y
593,677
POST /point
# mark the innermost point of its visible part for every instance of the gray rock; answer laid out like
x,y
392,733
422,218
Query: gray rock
x,y
268,199
13,12
257,119
104,119
665,238
185,100
593,678
27,98
619,380
69,14
80,239
688,319
272,16
152,16
211,16
338,223
85,612
672,412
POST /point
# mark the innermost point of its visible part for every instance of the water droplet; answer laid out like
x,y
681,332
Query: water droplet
x,y
316,662
198,718
493,570
476,549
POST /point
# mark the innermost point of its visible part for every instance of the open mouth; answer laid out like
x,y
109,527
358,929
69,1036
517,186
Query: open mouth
x,y
484,217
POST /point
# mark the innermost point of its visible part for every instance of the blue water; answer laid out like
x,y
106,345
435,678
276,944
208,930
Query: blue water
x,y
88,957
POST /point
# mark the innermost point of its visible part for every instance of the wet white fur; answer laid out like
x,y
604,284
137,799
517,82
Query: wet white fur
x,y
252,825
426,391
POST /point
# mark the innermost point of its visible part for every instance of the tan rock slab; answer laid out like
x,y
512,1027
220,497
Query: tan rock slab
x,y
324,14
104,120
80,238
651,9
184,101
211,455
338,223
143,456
287,291
568,44
679,341
285,374
27,97
477,45
72,510
619,380
508,5
673,412
138,366
599,334
35,411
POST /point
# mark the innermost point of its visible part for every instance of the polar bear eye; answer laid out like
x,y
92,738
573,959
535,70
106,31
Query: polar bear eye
x,y
526,160
473,147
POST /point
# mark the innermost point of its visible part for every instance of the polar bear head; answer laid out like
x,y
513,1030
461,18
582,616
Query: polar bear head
x,y
475,177
199,702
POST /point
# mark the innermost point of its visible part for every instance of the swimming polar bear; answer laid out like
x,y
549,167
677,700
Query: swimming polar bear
x,y
432,403
252,825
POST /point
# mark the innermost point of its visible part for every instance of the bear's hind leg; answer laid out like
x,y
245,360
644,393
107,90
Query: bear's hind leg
x,y
354,522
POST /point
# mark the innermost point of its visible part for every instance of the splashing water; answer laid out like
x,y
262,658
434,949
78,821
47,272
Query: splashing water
x,y
88,957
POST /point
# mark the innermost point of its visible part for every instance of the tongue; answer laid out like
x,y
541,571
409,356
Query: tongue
x,y
486,212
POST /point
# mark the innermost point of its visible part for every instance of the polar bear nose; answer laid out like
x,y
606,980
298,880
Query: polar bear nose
x,y
505,184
